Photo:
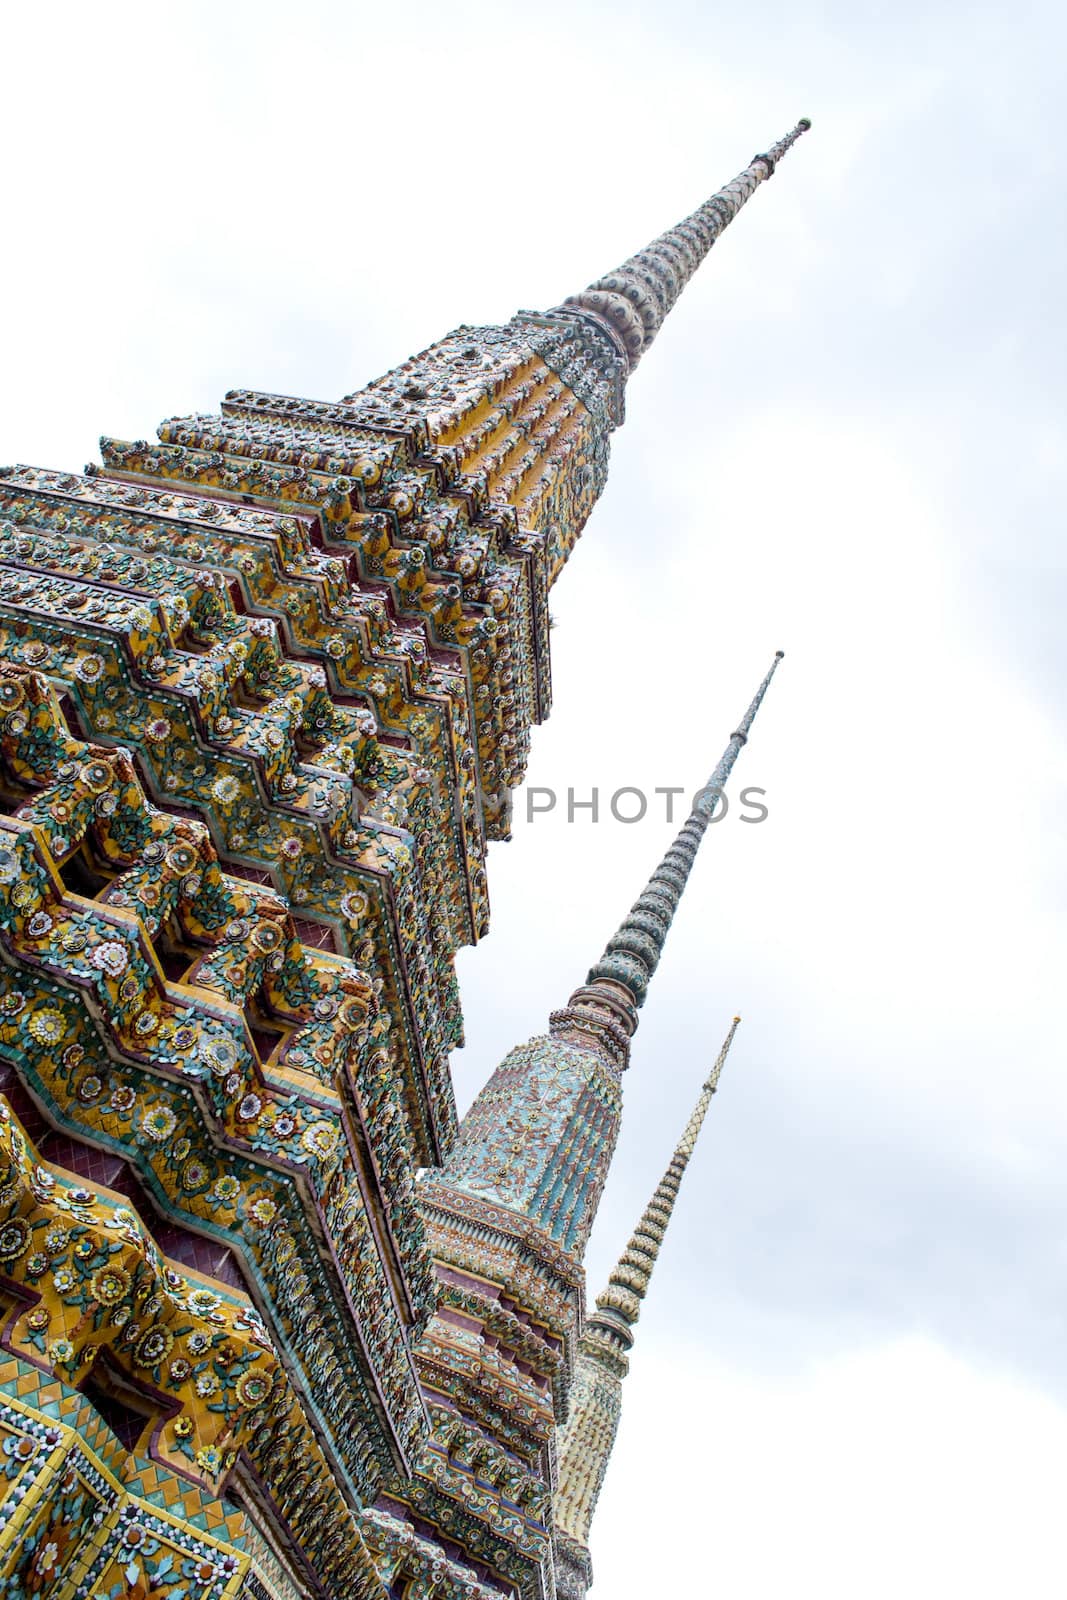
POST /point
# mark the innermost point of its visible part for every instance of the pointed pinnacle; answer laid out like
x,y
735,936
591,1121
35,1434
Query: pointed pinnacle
x,y
619,1307
687,1143
632,302
632,954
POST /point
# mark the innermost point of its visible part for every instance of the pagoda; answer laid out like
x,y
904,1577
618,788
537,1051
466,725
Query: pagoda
x,y
267,683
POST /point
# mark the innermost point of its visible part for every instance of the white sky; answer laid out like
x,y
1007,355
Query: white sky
x,y
846,443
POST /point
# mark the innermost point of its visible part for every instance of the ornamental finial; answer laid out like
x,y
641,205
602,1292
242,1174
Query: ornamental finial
x,y
632,302
621,977
619,1307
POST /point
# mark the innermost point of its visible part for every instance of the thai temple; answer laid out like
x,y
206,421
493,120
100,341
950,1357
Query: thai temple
x,y
276,1322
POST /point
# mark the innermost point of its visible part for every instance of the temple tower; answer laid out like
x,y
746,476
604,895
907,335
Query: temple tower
x,y
587,1438
508,1219
266,683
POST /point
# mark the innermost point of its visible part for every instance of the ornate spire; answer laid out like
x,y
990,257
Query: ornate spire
x,y
586,1440
540,1134
632,954
619,1307
633,300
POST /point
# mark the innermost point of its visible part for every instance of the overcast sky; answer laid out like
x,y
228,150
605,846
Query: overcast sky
x,y
847,443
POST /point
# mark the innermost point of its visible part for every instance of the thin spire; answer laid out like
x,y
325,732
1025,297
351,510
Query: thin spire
x,y
587,1438
634,299
632,954
619,1307
539,1136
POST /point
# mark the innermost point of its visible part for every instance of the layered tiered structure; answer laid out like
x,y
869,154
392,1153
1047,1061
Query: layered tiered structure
x,y
266,685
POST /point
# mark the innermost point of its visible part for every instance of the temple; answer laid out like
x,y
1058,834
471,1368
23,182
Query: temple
x,y
275,1323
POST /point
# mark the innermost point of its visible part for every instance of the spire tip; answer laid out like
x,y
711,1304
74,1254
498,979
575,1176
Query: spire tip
x,y
631,302
779,655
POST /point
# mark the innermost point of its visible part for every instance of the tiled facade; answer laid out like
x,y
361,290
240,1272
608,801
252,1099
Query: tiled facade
x,y
274,1323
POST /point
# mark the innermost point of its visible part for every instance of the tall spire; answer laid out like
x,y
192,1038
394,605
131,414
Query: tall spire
x,y
539,1136
634,300
586,1440
632,953
619,1307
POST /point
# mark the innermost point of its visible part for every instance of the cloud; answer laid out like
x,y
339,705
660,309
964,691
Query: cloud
x,y
896,1470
